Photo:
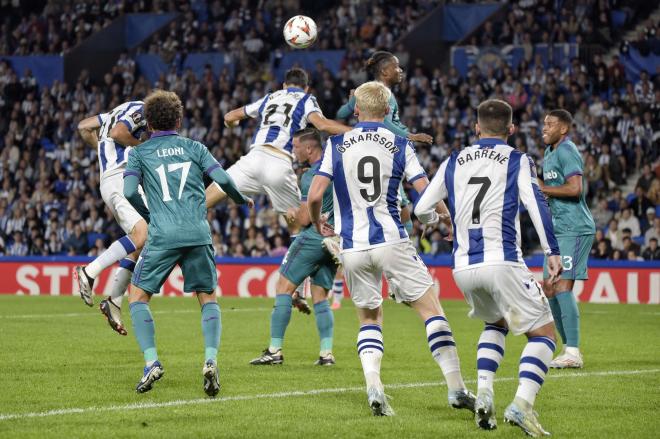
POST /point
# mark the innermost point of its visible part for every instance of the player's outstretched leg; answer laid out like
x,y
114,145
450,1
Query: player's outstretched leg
x,y
534,363
145,333
325,324
279,320
443,349
111,306
490,352
211,330
86,275
370,349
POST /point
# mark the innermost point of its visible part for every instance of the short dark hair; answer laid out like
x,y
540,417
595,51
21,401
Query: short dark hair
x,y
494,116
309,133
376,62
163,109
563,115
296,76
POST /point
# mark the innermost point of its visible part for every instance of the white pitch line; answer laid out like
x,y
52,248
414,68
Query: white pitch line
x,y
185,402
87,314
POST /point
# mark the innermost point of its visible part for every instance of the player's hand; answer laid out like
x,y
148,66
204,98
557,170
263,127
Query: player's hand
x,y
323,227
232,124
291,214
351,93
554,268
420,137
249,202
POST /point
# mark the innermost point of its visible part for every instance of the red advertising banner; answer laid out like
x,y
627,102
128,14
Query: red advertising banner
x,y
605,285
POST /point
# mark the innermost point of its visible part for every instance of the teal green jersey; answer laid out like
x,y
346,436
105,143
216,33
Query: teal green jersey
x,y
570,216
392,120
171,169
327,206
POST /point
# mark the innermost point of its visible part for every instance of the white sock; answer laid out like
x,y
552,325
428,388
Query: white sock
x,y
443,348
489,355
338,290
573,351
117,251
534,363
121,280
370,350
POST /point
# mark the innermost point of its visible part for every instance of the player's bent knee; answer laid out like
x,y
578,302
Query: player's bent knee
x,y
205,297
548,289
139,234
284,286
547,330
213,195
136,294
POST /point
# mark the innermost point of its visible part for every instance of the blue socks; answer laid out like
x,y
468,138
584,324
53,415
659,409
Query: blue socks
x,y
325,323
211,329
279,320
145,332
570,318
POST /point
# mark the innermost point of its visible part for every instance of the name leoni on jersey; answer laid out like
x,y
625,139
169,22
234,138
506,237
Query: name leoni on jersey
x,y
166,152
368,137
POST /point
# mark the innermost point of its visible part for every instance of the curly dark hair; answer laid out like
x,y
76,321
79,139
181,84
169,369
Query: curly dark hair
x,y
163,109
376,62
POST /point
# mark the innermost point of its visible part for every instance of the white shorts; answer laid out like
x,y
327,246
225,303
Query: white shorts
x,y
407,276
112,192
507,292
261,171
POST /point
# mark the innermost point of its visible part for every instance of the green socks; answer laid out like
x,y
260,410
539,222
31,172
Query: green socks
x,y
279,320
144,330
570,318
325,323
211,330
556,314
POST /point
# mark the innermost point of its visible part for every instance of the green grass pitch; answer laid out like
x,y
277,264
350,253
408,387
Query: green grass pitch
x,y
64,373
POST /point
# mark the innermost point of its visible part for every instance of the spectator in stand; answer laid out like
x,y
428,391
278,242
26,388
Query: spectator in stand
x,y
614,235
601,214
652,251
647,222
17,247
640,203
76,243
653,232
629,221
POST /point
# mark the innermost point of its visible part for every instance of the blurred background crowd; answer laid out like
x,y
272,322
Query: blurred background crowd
x,y
49,180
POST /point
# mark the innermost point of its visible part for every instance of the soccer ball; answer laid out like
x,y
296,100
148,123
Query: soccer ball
x,y
300,32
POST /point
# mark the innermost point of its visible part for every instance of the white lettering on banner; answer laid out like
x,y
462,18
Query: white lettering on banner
x,y
271,285
605,285
176,280
654,289
55,272
25,277
632,286
248,276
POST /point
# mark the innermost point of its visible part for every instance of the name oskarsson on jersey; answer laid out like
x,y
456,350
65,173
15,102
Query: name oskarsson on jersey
x,y
369,137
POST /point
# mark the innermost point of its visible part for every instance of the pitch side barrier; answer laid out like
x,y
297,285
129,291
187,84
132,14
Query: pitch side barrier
x,y
609,281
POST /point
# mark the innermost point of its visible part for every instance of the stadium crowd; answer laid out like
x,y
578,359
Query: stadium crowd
x,y
49,195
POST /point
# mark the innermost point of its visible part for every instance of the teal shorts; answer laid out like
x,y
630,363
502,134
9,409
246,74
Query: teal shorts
x,y
574,252
197,266
307,258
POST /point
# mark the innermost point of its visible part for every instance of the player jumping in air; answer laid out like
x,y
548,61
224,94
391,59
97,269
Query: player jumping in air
x,y
365,167
563,184
485,184
306,257
118,132
383,67
170,169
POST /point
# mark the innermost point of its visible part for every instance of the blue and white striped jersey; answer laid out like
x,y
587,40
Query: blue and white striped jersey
x,y
281,114
367,165
484,184
113,155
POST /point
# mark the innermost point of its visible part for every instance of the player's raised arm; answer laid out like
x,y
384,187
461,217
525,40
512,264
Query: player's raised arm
x,y
235,116
320,183
347,110
536,204
124,132
328,125
88,130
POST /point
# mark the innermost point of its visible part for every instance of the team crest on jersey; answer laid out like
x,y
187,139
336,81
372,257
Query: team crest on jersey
x,y
137,118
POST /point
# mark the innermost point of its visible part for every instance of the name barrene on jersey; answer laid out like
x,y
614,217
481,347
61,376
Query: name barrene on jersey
x,y
482,154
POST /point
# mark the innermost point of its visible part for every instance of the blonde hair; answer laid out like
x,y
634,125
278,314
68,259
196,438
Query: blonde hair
x,y
373,99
